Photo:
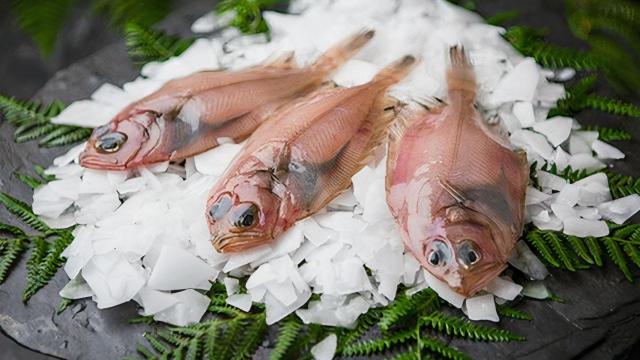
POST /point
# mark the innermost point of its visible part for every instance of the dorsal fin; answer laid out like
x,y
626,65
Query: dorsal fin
x,y
285,60
407,114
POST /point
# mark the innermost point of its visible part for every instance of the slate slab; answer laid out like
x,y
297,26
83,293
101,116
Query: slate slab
x,y
599,319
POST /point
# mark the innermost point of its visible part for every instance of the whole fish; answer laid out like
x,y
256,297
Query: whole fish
x,y
301,159
192,114
455,186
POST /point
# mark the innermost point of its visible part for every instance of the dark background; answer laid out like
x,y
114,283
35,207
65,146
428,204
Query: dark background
x,y
600,320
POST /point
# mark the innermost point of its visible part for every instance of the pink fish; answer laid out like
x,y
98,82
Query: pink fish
x,y
190,115
456,187
299,160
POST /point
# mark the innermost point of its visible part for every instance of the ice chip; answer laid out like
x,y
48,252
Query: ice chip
x,y
583,228
482,307
503,288
556,129
178,269
241,301
189,308
606,151
519,84
325,349
620,210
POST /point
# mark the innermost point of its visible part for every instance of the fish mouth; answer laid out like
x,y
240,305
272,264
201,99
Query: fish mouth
x,y
233,243
472,284
90,161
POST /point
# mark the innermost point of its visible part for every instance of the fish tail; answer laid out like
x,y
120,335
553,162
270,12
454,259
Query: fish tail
x,y
396,71
343,51
460,76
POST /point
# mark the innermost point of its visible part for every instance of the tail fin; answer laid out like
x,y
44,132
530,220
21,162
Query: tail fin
x,y
396,71
343,51
460,76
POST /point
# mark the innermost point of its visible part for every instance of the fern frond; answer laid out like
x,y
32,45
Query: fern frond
x,y
365,323
404,306
513,313
248,14
377,346
610,134
578,245
212,341
23,212
63,305
156,344
145,13
145,44
252,335
621,185
146,353
10,229
288,332
30,181
530,43
559,249
9,255
594,250
48,266
461,327
42,20
536,239
70,135
616,255
611,106
232,332
442,349
500,18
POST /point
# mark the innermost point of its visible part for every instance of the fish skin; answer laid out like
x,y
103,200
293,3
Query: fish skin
x,y
451,178
187,116
301,159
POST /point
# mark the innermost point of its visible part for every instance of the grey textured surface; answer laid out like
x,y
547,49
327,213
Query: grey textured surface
x,y
599,319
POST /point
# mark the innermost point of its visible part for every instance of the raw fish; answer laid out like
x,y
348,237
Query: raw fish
x,y
301,159
455,186
195,113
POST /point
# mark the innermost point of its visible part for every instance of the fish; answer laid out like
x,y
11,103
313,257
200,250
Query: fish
x,y
190,115
455,185
301,159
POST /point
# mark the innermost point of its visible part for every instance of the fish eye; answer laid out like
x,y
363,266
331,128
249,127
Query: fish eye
x,y
439,254
468,254
220,208
110,142
247,216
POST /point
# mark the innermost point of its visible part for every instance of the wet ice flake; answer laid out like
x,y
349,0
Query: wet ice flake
x,y
325,349
620,210
583,228
556,129
241,301
519,84
504,288
189,307
524,112
606,151
482,307
178,269
112,279
154,301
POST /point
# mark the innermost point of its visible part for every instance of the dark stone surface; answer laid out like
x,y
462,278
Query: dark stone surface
x,y
599,319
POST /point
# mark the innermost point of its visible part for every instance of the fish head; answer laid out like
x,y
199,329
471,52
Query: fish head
x,y
122,144
243,218
463,251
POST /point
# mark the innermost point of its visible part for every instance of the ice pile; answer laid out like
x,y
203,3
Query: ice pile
x,y
142,234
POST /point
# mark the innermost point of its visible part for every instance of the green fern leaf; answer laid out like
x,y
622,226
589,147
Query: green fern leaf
x,y
9,255
288,332
45,269
410,354
194,349
616,255
232,333
145,352
594,250
248,14
535,238
442,349
502,17
611,106
156,344
23,212
632,251
560,250
364,324
40,171
145,13
513,313
10,229
42,20
610,134
31,132
404,306
461,327
63,305
145,44
577,244
69,135
377,346
29,180
621,185
213,341
252,335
